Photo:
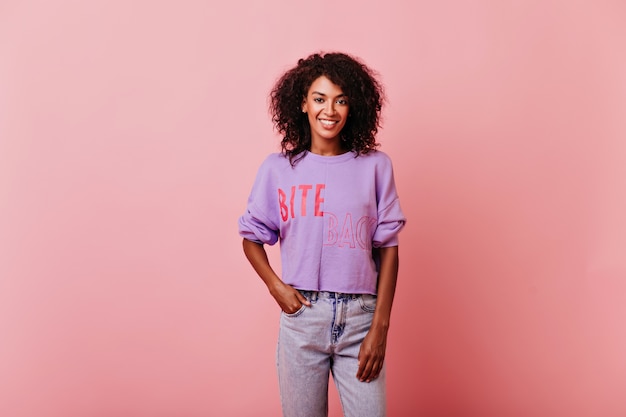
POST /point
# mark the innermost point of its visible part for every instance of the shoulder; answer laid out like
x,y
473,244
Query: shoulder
x,y
275,158
380,156
273,167
274,161
376,158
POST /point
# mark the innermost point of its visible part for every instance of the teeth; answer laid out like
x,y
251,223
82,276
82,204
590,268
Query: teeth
x,y
327,122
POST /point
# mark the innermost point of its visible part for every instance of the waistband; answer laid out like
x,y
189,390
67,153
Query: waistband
x,y
315,295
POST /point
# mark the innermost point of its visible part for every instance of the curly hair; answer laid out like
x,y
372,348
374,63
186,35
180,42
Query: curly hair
x,y
355,79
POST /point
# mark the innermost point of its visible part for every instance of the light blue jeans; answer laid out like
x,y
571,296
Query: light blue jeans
x,y
323,338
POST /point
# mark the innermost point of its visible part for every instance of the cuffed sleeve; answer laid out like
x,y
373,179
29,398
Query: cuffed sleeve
x,y
255,227
390,216
259,223
390,222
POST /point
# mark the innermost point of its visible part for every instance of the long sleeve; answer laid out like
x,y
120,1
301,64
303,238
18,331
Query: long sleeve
x,y
390,216
260,222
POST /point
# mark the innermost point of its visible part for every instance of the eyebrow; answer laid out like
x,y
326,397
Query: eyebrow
x,y
322,94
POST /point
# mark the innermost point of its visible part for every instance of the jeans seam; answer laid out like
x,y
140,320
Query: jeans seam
x,y
297,313
365,307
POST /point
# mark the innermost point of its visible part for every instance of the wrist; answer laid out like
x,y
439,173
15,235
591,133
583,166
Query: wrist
x,y
274,285
380,325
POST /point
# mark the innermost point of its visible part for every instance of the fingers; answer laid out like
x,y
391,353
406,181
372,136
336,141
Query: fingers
x,y
291,300
370,365
369,370
292,306
302,299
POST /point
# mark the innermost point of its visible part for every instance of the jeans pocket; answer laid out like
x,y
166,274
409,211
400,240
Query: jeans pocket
x,y
367,302
296,313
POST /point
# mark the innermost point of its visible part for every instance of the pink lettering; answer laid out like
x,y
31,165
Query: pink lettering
x,y
364,232
293,196
287,211
282,198
351,235
347,232
305,189
319,199
332,235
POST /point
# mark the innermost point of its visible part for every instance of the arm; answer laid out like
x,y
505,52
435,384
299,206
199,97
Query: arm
x,y
372,352
287,297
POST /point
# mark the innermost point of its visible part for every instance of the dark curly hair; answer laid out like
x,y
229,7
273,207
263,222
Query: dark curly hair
x,y
356,80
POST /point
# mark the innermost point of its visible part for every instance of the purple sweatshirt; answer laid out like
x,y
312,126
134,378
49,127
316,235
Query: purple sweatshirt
x,y
328,212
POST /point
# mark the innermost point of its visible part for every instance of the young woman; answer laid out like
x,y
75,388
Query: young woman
x,y
330,198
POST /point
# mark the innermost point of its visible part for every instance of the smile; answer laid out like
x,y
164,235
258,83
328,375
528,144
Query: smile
x,y
326,122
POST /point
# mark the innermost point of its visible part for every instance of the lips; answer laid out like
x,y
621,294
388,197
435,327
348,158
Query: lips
x,y
328,123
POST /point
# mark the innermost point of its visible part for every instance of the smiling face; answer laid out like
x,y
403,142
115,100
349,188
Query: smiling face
x,y
327,109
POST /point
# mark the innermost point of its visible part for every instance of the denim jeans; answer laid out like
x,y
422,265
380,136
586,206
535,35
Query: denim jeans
x,y
323,338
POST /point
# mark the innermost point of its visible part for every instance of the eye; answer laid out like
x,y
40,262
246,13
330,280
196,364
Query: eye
x,y
318,100
342,101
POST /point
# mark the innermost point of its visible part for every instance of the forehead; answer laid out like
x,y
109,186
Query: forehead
x,y
325,86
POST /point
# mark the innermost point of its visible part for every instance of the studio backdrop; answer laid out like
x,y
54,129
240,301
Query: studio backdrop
x,y
130,135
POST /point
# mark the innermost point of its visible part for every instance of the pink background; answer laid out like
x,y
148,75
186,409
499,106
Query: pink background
x,y
130,133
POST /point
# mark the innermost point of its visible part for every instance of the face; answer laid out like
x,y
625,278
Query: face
x,y
327,109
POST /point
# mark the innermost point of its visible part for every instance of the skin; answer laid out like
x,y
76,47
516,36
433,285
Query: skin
x,y
326,101
372,352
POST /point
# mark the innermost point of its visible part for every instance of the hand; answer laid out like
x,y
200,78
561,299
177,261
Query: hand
x,y
372,355
288,298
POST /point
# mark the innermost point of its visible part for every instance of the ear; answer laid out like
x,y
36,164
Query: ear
x,y
304,109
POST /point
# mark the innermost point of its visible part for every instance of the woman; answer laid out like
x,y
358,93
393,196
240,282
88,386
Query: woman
x,y
330,198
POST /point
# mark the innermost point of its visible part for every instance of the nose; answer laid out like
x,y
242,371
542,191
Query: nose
x,y
330,108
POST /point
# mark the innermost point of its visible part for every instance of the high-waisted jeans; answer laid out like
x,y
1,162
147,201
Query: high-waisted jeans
x,y
323,338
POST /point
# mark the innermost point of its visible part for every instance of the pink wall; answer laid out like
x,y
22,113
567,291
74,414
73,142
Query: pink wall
x,y
130,133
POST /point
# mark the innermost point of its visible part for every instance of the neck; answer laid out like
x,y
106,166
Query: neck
x,y
327,149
